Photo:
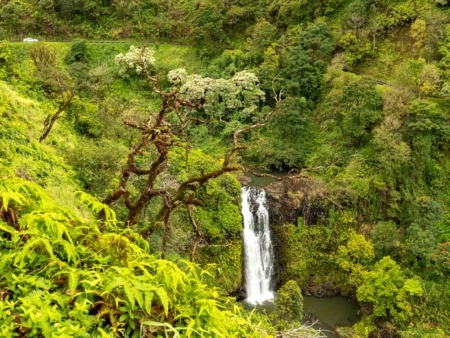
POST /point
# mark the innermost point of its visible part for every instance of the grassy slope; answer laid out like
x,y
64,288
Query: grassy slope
x,y
23,109
20,125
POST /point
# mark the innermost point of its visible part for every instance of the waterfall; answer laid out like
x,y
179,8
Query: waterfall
x,y
257,246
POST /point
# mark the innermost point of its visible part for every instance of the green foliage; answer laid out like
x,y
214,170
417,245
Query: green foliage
x,y
207,26
304,67
65,277
316,41
289,303
291,138
400,12
386,239
384,161
359,111
306,248
425,332
96,163
422,77
227,260
262,36
355,257
425,121
354,50
77,52
292,12
220,217
389,291
229,63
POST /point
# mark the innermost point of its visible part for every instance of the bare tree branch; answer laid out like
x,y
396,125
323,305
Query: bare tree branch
x,y
199,235
161,132
50,121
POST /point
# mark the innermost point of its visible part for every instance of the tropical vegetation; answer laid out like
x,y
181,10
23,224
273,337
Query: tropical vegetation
x,y
124,130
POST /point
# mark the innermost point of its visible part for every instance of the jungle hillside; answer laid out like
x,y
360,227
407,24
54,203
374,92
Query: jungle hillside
x,y
127,128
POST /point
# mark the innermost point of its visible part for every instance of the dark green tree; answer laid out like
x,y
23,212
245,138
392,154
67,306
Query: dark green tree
x,y
359,111
441,257
77,52
290,137
207,25
316,41
305,65
263,34
303,76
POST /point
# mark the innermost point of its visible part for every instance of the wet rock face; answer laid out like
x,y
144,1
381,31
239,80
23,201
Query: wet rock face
x,y
284,202
320,290
239,293
245,180
290,199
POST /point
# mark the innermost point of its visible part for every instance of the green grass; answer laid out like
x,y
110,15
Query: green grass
x,y
21,121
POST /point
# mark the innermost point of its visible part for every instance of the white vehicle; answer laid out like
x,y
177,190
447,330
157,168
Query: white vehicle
x,y
30,40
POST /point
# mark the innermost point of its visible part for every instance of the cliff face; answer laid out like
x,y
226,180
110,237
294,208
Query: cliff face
x,y
290,199
302,202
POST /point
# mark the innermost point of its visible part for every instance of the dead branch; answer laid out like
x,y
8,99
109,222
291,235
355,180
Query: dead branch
x,y
199,235
50,120
305,331
162,136
9,217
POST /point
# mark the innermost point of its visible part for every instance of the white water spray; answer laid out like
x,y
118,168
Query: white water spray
x,y
257,246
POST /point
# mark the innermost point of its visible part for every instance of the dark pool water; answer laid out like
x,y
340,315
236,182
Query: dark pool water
x,y
331,312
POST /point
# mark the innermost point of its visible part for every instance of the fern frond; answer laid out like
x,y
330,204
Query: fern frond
x,y
69,249
130,293
59,298
163,298
148,297
104,334
166,326
6,228
20,191
113,284
8,195
5,262
34,243
91,278
170,273
41,283
96,206
73,278
51,223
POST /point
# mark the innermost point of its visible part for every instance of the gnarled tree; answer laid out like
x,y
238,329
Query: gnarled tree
x,y
231,103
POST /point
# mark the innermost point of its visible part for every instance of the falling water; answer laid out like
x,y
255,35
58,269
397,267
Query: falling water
x,y
257,246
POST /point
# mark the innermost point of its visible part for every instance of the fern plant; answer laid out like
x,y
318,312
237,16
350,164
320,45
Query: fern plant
x,y
62,276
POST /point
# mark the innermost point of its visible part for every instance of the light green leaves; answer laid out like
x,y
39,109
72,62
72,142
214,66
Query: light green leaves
x,y
96,206
413,287
15,190
386,288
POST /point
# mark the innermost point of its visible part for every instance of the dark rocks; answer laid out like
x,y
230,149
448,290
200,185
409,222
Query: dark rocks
x,y
239,293
320,290
245,180
292,198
